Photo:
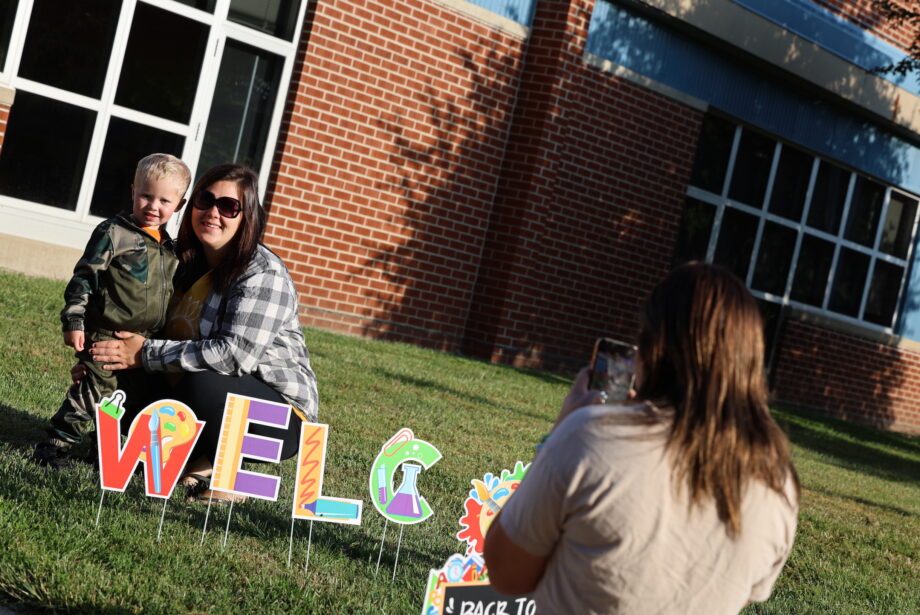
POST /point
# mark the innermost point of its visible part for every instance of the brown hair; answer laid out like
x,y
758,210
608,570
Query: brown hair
x,y
701,351
244,244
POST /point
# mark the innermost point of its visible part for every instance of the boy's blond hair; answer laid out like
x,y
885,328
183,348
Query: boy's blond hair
x,y
156,166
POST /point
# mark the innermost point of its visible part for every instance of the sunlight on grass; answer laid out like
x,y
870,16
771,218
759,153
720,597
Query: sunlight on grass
x,y
856,551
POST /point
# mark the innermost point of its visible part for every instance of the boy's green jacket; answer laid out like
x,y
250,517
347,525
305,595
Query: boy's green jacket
x,y
122,282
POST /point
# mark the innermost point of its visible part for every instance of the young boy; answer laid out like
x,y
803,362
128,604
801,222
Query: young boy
x,y
123,282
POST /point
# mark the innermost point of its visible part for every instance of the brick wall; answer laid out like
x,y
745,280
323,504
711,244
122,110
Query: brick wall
x,y
588,206
389,156
863,14
847,375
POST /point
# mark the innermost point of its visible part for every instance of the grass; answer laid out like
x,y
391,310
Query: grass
x,y
857,550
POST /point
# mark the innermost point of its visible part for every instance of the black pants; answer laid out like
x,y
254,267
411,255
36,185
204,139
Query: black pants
x,y
206,393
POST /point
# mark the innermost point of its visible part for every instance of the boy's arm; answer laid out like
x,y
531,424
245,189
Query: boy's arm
x,y
85,281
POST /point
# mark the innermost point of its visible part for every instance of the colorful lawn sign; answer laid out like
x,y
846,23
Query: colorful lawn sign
x,y
487,498
162,436
462,587
235,443
309,501
403,505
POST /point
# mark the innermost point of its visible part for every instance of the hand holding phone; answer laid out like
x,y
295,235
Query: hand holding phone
x,y
612,369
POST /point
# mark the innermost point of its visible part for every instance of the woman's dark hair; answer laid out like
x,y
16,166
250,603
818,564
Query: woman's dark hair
x,y
244,244
701,351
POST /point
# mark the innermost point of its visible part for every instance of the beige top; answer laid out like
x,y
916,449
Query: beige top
x,y
598,500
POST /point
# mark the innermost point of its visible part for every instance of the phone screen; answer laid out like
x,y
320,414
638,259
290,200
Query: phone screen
x,y
612,369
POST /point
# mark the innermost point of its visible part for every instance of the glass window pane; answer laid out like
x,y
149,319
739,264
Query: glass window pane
x,y
829,196
244,98
771,313
752,169
865,209
712,154
774,259
7,16
695,229
201,5
68,44
161,78
736,241
126,143
791,184
899,224
811,270
849,282
44,150
883,293
275,17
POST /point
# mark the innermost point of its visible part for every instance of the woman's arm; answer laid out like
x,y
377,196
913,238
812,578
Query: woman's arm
x,y
512,570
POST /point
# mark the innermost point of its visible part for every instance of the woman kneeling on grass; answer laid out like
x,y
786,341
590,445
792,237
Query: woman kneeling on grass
x,y
232,324
681,501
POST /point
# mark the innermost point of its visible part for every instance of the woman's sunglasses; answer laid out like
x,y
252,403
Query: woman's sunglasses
x,y
227,206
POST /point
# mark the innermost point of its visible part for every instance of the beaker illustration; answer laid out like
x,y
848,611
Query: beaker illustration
x,y
405,501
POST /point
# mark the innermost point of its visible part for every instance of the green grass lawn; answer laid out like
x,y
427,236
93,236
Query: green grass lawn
x,y
857,550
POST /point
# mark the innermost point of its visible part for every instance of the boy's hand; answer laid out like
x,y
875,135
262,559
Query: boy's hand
x,y
74,339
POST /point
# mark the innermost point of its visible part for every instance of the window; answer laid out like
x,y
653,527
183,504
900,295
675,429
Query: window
x,y
101,83
798,229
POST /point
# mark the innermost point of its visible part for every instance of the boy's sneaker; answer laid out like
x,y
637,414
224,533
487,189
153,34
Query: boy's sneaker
x,y
52,454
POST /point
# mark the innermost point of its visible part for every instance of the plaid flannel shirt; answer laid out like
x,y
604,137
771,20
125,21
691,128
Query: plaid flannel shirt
x,y
251,328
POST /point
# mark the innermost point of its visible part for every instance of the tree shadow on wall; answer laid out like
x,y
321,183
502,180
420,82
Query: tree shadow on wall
x,y
420,275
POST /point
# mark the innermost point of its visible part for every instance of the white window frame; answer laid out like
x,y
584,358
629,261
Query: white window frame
x,y
72,228
721,201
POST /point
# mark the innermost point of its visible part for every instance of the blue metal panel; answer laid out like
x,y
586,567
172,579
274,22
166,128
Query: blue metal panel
x,y
834,34
673,59
520,11
650,49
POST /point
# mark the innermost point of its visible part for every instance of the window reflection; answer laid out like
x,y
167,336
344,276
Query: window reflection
x,y
899,223
242,106
275,17
159,78
44,150
865,209
68,44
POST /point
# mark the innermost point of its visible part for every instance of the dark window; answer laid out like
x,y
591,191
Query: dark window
x,y
849,282
126,143
752,169
736,241
899,223
811,270
242,106
712,154
44,150
162,63
791,184
777,245
275,17
865,210
68,44
883,293
7,17
771,313
695,229
829,195
201,5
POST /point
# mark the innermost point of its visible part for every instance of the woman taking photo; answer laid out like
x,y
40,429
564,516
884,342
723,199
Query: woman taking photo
x,y
683,500
232,325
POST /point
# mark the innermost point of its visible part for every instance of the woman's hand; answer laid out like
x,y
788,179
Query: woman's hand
x,y
123,353
579,396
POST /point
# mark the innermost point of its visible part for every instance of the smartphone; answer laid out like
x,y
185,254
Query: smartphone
x,y
612,369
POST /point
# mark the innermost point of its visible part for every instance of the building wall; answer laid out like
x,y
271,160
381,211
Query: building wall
x,y
848,375
476,185
866,16
389,159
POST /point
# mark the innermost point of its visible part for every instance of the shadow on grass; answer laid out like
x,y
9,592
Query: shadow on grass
x,y
863,501
884,454
20,429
